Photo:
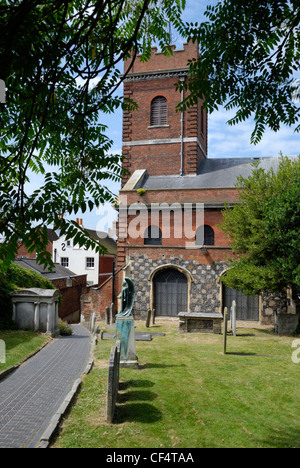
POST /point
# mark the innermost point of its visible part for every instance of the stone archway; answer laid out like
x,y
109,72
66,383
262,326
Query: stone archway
x,y
170,287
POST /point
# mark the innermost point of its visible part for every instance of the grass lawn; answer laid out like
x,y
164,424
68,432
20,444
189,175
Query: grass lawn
x,y
187,394
19,345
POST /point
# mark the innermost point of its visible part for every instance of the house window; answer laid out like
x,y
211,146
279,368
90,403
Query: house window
x,y
90,262
64,261
159,111
205,236
153,236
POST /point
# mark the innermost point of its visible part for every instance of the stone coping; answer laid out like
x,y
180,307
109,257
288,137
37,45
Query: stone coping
x,y
35,292
200,315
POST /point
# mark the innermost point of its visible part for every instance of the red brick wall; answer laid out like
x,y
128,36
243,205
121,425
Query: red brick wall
x,y
206,195
161,62
213,254
212,218
105,268
69,308
163,158
96,300
23,252
175,234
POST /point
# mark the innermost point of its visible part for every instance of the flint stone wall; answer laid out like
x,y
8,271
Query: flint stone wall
x,y
204,290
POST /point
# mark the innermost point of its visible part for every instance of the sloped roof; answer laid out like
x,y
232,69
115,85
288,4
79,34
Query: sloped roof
x,y
212,173
58,272
52,236
106,241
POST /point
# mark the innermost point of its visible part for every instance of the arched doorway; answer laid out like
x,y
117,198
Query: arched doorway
x,y
170,292
247,307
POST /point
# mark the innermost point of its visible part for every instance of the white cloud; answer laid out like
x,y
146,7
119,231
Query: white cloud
x,y
235,141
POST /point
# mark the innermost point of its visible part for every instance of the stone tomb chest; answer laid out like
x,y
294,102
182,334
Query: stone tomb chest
x,y
200,322
36,309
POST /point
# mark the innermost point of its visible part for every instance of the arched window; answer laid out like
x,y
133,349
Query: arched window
x,y
205,236
159,111
152,236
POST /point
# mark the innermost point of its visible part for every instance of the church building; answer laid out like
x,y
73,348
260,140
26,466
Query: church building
x,y
170,204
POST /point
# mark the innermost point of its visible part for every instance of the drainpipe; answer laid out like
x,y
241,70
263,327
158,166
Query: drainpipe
x,y
113,282
182,132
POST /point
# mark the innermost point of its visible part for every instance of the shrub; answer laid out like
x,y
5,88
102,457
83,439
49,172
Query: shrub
x,y
141,191
64,328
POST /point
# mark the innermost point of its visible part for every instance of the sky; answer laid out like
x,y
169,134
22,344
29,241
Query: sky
x,y
224,141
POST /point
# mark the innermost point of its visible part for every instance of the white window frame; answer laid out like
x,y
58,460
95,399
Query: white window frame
x,y
87,261
64,261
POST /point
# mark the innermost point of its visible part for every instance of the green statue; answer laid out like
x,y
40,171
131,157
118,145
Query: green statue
x,y
128,297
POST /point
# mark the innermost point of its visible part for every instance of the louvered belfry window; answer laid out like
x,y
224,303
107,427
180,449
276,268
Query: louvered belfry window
x,y
159,111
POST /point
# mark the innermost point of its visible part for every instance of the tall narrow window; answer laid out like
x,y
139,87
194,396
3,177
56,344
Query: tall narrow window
x,y
159,111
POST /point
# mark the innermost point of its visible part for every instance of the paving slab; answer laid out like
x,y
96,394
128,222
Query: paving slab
x,y
32,394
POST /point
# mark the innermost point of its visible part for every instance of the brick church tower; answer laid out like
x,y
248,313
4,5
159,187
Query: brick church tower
x,y
165,153
157,136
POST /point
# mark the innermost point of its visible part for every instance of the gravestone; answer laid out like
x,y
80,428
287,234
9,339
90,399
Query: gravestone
x,y
153,316
2,352
113,381
92,322
200,322
233,318
112,313
225,330
148,318
107,315
125,325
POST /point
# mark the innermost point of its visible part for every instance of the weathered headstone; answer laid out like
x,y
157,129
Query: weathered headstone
x,y
113,381
92,322
233,318
112,313
225,321
153,317
2,352
148,318
107,315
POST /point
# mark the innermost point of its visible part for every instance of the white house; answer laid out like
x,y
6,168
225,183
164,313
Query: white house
x,y
81,260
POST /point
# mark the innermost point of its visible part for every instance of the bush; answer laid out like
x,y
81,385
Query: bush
x,y
12,279
64,328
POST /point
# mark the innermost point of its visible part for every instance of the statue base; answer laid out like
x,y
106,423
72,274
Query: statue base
x,y
125,333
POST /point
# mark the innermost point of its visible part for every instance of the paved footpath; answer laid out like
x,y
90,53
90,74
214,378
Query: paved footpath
x,y
31,395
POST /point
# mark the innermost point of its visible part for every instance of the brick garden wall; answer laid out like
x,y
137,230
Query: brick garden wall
x,y
96,299
69,309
